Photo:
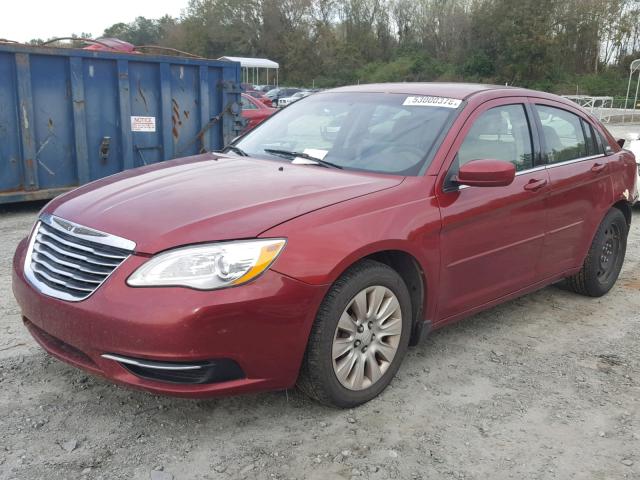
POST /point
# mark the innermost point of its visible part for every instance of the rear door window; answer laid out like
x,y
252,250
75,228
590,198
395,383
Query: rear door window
x,y
564,138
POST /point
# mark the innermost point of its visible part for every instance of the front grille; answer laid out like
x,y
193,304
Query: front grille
x,y
69,261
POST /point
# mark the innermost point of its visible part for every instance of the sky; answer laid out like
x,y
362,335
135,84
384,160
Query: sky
x,y
23,20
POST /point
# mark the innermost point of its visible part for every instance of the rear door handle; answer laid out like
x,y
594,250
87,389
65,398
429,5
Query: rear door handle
x,y
535,185
598,167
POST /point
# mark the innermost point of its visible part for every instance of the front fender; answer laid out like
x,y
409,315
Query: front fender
x,y
323,244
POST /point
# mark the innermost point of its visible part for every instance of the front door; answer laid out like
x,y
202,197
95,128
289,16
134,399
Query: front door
x,y
491,237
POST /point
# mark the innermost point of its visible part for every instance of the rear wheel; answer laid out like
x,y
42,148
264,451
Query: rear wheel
x,y
605,258
359,338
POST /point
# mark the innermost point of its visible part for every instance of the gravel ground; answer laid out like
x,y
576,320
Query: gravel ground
x,y
546,386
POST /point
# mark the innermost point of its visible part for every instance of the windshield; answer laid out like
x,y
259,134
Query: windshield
x,y
376,132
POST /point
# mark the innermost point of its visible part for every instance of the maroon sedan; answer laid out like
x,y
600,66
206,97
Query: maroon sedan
x,y
322,244
254,111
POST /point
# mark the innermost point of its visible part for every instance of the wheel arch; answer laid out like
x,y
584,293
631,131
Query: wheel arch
x,y
409,269
625,207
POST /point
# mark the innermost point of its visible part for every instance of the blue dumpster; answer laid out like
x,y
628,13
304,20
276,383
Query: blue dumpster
x,y
71,116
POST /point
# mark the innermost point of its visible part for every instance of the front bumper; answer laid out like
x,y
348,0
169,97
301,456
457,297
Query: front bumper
x,y
262,327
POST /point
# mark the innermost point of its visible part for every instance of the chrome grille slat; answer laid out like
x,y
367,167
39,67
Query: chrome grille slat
x,y
92,269
55,269
61,290
69,261
59,238
63,251
39,270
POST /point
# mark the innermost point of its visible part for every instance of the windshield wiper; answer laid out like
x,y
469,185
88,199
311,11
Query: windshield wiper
x,y
306,156
235,149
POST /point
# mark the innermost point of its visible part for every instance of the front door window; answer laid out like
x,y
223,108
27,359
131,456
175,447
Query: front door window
x,y
500,133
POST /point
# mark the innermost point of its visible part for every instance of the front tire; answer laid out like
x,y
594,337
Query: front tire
x,y
605,258
359,337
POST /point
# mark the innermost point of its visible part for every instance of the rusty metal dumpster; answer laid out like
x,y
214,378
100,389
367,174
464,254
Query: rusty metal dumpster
x,y
70,116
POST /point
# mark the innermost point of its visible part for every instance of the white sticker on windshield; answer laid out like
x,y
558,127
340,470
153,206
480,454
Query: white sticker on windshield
x,y
315,152
432,102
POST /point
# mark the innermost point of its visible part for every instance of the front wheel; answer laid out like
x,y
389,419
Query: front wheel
x,y
605,258
359,337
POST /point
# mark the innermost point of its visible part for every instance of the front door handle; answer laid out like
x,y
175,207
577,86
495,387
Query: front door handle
x,y
598,167
535,185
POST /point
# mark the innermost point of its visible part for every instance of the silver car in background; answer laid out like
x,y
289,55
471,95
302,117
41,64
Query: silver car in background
x,y
283,102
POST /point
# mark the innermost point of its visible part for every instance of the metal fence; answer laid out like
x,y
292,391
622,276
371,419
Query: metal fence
x,y
615,110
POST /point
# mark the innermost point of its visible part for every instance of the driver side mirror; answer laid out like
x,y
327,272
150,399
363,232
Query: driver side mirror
x,y
486,173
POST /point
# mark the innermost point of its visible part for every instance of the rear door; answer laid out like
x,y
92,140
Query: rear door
x,y
492,237
580,185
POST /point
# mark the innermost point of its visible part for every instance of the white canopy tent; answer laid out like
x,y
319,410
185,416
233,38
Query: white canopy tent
x,y
251,68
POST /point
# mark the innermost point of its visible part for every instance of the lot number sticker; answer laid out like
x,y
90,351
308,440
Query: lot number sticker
x,y
432,102
143,124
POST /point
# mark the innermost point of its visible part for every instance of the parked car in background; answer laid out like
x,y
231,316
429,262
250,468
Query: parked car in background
x,y
633,145
254,111
261,97
284,101
265,88
298,257
277,93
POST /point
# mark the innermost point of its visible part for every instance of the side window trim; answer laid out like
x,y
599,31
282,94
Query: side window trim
x,y
589,146
602,142
539,159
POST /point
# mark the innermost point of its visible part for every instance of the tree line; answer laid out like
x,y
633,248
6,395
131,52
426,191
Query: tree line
x,y
566,46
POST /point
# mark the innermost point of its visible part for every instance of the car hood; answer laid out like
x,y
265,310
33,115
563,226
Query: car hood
x,y
209,198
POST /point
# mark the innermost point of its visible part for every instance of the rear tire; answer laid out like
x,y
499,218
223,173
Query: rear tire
x,y
346,364
605,257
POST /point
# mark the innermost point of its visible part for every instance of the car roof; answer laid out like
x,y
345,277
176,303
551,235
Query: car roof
x,y
460,91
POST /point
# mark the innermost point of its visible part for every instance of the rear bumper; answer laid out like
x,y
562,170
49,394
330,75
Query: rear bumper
x,y
262,327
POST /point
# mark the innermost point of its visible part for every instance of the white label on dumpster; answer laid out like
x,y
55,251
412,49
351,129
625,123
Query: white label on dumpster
x,y
143,124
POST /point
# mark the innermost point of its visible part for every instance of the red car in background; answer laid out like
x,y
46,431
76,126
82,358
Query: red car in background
x,y
317,247
260,96
254,111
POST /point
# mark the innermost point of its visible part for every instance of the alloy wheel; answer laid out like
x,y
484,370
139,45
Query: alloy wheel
x,y
367,338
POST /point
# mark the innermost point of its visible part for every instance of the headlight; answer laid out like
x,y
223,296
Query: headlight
x,y
209,266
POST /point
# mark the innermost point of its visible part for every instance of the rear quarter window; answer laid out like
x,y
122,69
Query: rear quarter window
x,y
593,146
